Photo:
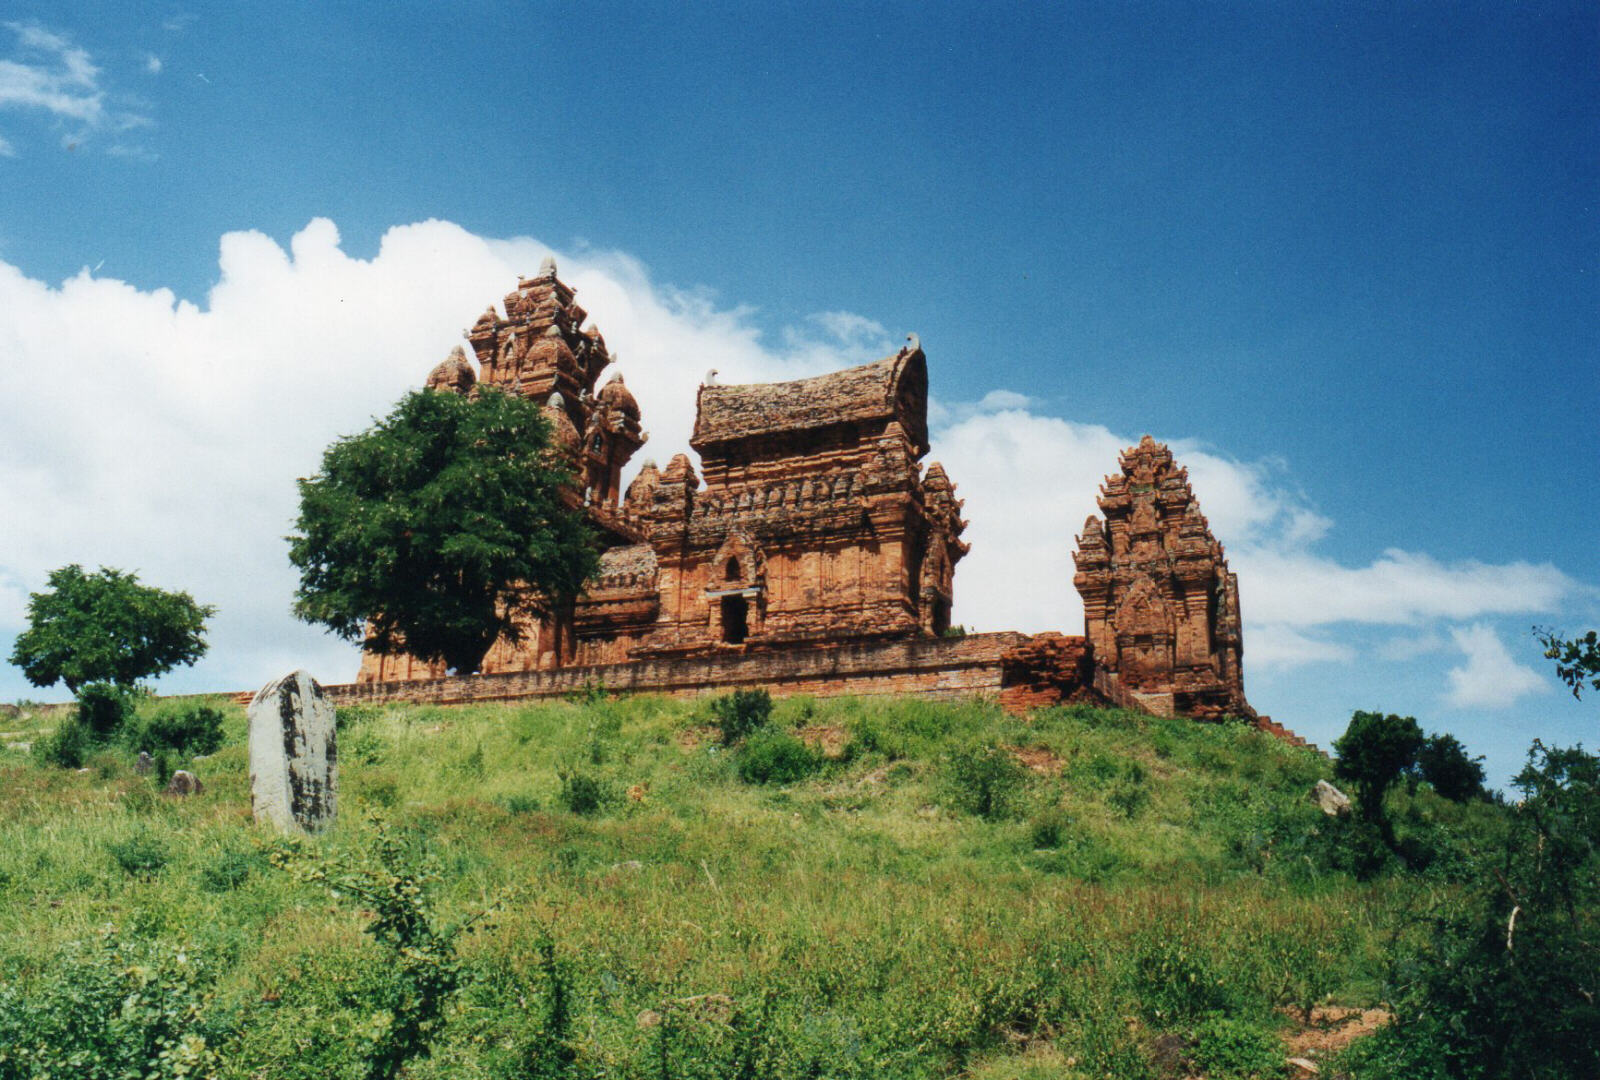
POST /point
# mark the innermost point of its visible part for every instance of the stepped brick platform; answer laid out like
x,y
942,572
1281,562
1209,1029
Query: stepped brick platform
x,y
1018,671
941,668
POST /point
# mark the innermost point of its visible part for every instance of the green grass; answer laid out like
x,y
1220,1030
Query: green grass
x,y
1149,876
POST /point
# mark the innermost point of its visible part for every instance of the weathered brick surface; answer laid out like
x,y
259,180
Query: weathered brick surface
x,y
814,521
928,667
1161,609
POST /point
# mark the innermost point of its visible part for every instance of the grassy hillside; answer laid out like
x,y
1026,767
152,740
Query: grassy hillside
x,y
943,891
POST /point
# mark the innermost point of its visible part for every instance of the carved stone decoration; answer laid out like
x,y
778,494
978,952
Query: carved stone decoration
x,y
1161,608
294,760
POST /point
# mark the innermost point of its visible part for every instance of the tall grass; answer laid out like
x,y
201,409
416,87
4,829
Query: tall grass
x,y
866,919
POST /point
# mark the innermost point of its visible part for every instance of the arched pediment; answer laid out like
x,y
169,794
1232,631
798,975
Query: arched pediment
x,y
1144,611
739,562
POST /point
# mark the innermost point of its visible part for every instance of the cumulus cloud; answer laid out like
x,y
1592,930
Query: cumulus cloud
x,y
48,74
160,436
1490,678
153,64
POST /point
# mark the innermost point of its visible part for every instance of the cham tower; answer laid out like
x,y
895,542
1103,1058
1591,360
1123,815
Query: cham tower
x,y
1160,606
813,547
540,350
814,523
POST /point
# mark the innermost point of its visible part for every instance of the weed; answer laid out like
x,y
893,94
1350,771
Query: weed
x,y
738,714
983,779
187,730
769,756
1227,1048
582,792
141,856
229,870
66,747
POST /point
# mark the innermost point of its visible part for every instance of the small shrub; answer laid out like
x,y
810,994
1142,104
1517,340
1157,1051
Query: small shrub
x,y
228,871
1049,829
103,707
776,757
66,747
123,1009
738,714
142,855
583,793
520,804
1175,981
1226,1047
983,779
187,730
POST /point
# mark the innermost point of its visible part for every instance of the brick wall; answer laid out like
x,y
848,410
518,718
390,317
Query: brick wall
x,y
927,667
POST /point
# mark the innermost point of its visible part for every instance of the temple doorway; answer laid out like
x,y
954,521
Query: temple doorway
x,y
735,619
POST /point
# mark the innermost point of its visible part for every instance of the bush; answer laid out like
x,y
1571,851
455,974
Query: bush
x,y
1048,829
1175,981
770,756
583,793
228,871
142,855
1226,1047
188,730
1506,984
983,779
738,714
1374,752
67,746
122,1009
394,888
1443,762
103,708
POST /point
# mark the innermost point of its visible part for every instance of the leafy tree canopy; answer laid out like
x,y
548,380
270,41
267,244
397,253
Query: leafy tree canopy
x,y
1443,762
106,627
1374,752
1577,659
429,529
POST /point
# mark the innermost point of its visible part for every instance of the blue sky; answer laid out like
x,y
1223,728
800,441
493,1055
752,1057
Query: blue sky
x,y
1343,256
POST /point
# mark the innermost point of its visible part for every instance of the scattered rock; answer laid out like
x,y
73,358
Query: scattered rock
x,y
294,761
647,1019
1305,1065
184,782
1330,799
145,765
631,864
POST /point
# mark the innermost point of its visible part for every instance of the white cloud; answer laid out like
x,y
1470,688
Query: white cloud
x,y
163,437
48,73
153,64
6,149
1490,678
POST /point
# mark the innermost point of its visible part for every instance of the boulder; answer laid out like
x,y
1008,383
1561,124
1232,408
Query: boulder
x,y
1330,799
184,782
294,760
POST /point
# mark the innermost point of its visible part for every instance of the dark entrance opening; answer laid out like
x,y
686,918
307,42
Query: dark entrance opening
x,y
735,626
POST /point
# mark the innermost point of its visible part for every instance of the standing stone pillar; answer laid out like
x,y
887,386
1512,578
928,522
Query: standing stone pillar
x,y
294,764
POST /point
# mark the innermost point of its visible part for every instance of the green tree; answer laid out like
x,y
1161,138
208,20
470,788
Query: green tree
x,y
1444,763
1576,658
106,627
1374,752
427,531
1508,982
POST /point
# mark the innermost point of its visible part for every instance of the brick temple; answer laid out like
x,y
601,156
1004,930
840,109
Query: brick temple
x,y
814,551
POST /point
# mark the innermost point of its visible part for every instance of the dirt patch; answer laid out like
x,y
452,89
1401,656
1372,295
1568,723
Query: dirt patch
x,y
691,739
1331,1030
827,738
1038,759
